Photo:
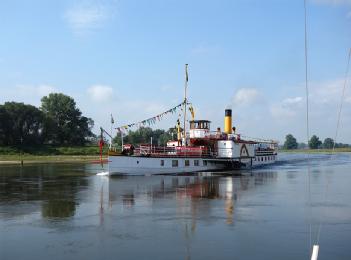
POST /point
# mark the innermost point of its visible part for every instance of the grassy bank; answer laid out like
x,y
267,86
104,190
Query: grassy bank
x,y
49,154
337,150
29,159
46,150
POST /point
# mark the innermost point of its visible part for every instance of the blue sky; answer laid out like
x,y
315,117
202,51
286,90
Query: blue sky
x,y
127,58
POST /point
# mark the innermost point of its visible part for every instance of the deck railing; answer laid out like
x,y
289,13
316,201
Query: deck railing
x,y
176,151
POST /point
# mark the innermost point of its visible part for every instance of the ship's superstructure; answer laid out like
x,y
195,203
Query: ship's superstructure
x,y
200,150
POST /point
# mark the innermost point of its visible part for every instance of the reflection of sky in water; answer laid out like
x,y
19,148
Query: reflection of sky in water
x,y
66,211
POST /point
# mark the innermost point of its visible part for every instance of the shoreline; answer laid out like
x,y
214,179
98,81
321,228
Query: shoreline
x,y
327,151
41,159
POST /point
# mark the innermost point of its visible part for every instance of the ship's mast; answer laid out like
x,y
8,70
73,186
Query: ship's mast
x,y
185,101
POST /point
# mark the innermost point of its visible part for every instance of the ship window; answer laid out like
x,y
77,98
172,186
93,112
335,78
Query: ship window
x,y
187,163
162,162
205,163
174,163
196,162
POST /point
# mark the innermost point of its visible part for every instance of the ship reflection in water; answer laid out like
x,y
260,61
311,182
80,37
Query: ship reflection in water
x,y
68,212
191,194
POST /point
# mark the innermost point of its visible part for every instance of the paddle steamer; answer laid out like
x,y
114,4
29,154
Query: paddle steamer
x,y
198,149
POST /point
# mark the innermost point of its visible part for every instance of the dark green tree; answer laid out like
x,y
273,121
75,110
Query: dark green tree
x,y
314,142
5,124
143,136
290,142
64,121
328,143
21,124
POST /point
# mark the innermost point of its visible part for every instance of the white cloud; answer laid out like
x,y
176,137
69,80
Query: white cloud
x,y
327,92
44,90
290,102
245,96
28,94
100,93
287,108
86,16
40,90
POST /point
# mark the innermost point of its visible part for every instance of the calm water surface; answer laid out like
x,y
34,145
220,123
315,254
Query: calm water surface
x,y
67,212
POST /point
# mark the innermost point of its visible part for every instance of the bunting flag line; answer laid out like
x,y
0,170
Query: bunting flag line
x,y
153,120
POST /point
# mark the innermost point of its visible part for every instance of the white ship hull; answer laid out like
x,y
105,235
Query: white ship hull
x,y
134,165
139,165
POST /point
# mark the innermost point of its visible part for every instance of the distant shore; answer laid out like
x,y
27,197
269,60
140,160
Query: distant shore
x,y
337,150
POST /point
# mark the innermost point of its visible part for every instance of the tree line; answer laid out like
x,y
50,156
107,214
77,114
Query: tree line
x,y
142,135
313,143
57,121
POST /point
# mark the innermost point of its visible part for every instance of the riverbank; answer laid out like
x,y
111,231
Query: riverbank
x,y
50,154
47,150
337,150
33,159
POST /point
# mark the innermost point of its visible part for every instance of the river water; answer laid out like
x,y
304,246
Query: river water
x,y
65,211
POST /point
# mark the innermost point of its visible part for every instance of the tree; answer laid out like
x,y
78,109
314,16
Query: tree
x,y
64,121
143,135
301,145
328,143
290,142
314,142
20,123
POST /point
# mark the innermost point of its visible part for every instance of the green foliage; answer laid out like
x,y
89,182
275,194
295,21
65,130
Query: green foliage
x,y
58,122
301,146
314,142
290,142
341,145
51,150
143,135
328,143
21,124
64,122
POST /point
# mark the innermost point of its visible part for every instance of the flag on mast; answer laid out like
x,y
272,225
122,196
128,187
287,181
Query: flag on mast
x,y
186,73
112,120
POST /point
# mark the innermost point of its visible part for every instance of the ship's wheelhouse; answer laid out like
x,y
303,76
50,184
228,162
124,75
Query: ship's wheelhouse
x,y
199,128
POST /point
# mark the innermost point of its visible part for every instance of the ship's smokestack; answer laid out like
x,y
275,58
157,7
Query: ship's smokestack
x,y
228,121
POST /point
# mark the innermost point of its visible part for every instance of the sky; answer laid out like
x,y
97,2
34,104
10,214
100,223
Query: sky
x,y
127,58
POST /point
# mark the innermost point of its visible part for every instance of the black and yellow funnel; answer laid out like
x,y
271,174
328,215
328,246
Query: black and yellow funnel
x,y
228,121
